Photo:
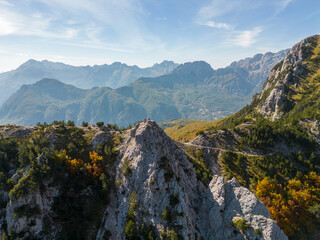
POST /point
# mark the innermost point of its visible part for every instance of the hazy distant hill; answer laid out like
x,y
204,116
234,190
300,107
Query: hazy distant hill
x,y
191,90
50,99
114,75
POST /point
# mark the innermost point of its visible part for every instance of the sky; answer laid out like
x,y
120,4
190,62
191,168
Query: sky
x,y
144,32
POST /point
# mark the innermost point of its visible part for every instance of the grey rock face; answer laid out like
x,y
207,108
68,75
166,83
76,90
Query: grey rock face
x,y
228,201
15,131
160,170
36,201
296,55
273,102
285,73
100,138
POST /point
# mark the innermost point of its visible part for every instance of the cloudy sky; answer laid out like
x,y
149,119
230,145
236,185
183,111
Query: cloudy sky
x,y
143,32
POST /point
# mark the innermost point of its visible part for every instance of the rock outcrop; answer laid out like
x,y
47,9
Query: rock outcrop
x,y
29,213
160,177
12,131
273,97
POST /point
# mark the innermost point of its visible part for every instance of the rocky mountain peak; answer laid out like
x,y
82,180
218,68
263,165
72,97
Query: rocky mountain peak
x,y
156,177
285,77
200,69
298,52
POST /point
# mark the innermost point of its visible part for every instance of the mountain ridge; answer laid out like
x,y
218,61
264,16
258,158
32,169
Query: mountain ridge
x,y
113,75
191,91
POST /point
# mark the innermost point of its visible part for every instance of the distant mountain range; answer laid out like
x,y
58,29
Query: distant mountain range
x,y
115,75
191,90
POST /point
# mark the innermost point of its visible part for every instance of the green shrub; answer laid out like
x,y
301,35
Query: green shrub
x,y
107,234
84,124
169,235
26,210
151,181
24,185
134,204
70,123
100,124
240,223
4,236
202,170
201,132
126,170
166,215
257,231
131,231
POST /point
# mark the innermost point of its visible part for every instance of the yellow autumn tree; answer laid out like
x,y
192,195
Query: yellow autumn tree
x,y
74,165
94,168
289,205
94,157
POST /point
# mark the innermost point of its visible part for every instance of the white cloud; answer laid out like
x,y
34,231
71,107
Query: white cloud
x,y
246,38
218,25
6,3
15,23
7,27
12,23
281,5
217,8
109,24
117,22
284,3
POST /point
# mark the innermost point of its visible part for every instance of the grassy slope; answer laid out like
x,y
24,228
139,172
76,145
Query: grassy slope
x,y
185,130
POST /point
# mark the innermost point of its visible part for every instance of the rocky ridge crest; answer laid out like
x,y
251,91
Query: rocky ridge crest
x,y
160,172
284,74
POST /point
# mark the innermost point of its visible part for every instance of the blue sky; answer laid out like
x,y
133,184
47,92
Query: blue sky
x,y
144,32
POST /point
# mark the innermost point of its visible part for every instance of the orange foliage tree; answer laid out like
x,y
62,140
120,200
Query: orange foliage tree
x,y
74,164
289,205
94,157
94,168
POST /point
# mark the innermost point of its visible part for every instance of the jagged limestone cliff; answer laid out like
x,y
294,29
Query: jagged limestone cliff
x,y
156,194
